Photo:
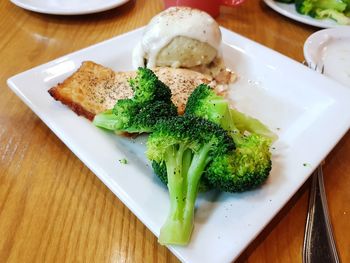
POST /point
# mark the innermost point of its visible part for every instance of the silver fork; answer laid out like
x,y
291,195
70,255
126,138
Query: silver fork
x,y
319,244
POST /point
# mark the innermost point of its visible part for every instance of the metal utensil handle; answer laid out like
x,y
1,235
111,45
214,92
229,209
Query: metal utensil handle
x,y
319,245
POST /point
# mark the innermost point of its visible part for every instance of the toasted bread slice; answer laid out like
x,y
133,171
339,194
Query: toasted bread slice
x,y
93,88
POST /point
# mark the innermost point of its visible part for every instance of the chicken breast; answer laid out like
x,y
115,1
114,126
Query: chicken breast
x,y
94,88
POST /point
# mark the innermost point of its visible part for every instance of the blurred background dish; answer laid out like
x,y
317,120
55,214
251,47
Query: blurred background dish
x,y
211,7
288,10
328,51
68,7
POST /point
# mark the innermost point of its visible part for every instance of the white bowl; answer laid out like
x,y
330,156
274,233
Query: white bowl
x,y
328,51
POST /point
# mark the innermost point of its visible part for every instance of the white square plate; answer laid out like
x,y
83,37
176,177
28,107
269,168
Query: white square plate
x,y
309,112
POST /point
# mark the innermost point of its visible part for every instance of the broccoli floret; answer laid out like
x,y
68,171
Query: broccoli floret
x,y
185,145
147,87
320,9
250,163
159,169
205,103
151,102
130,117
246,169
149,114
118,118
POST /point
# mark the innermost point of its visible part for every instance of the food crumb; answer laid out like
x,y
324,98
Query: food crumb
x,y
123,161
306,164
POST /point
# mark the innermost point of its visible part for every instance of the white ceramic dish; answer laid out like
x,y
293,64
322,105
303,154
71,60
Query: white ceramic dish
x,y
68,7
294,101
288,10
328,50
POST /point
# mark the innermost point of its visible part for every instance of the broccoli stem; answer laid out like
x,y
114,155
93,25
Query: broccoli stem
x,y
107,120
175,230
198,164
218,110
175,181
184,173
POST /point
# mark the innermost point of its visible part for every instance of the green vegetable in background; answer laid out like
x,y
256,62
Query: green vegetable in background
x,y
339,17
310,7
338,10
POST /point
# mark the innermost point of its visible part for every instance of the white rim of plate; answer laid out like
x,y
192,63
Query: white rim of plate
x,y
54,11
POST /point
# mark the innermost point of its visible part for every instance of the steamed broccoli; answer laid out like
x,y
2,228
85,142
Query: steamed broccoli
x,y
334,9
185,145
250,163
127,116
151,102
244,170
161,172
204,102
147,87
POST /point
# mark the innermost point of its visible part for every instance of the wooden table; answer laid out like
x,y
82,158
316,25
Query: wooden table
x,y
53,209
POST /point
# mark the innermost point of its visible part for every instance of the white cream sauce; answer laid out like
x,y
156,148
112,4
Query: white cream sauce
x,y
175,21
336,59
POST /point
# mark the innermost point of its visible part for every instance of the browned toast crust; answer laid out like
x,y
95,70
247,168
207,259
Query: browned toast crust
x,y
74,106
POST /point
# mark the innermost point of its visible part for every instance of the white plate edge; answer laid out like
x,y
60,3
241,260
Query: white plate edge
x,y
29,7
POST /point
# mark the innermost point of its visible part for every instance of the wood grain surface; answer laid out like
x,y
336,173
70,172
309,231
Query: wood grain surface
x,y
53,209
